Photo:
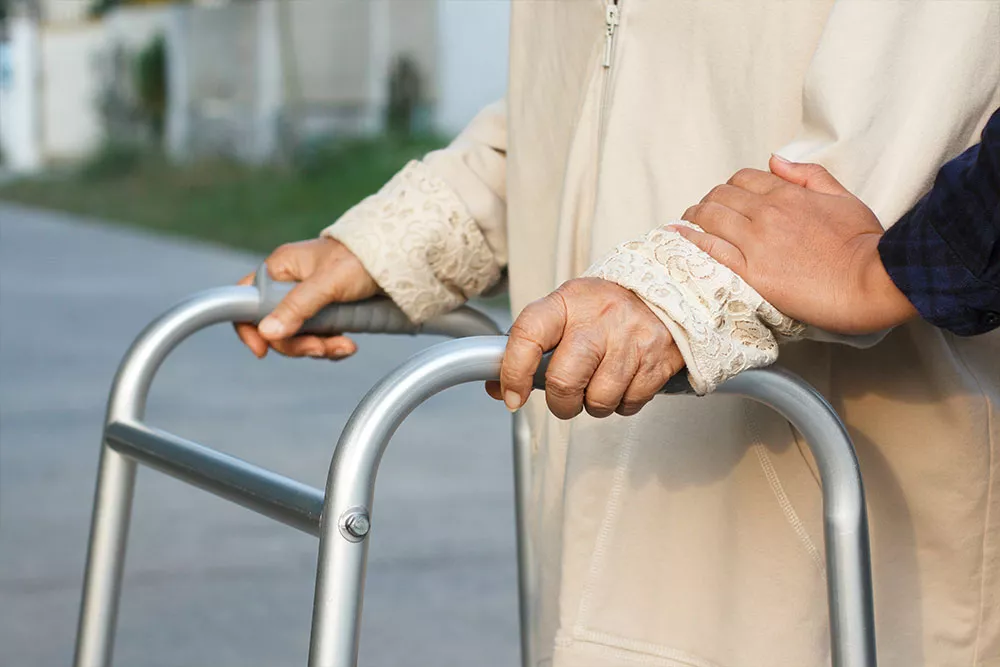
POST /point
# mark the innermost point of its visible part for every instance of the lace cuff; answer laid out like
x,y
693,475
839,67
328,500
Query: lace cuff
x,y
418,241
721,324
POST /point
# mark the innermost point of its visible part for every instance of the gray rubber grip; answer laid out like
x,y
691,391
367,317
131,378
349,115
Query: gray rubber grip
x,y
381,315
375,315
678,384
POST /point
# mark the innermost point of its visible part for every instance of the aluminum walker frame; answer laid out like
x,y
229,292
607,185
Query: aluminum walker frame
x,y
341,517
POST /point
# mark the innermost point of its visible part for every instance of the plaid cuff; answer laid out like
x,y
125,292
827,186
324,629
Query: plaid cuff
x,y
934,278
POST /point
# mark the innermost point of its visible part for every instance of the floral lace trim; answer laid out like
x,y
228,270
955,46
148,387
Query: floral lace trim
x,y
418,241
721,324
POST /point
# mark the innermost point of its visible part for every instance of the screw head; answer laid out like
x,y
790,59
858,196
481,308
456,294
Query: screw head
x,y
357,523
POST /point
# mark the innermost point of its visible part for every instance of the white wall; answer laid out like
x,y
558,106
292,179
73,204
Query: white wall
x,y
51,107
473,50
19,113
71,124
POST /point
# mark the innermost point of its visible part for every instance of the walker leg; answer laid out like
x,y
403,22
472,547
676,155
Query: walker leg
x,y
526,588
105,560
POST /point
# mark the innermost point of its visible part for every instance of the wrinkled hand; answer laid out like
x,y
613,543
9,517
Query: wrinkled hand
x,y
612,354
805,243
328,273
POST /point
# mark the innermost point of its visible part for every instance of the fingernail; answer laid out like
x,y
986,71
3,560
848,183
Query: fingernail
x,y
271,326
780,159
512,400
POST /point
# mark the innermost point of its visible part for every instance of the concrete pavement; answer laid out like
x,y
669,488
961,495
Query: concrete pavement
x,y
208,583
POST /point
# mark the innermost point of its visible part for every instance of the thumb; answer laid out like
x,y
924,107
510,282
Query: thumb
x,y
810,176
305,300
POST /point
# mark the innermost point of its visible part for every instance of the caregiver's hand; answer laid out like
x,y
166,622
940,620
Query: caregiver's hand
x,y
805,243
328,273
612,354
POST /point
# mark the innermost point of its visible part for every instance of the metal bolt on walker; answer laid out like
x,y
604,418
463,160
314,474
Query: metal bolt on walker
x,y
356,523
343,549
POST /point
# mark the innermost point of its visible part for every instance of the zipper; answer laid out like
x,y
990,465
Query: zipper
x,y
612,17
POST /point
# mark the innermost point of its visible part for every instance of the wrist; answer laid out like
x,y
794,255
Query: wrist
x,y
885,305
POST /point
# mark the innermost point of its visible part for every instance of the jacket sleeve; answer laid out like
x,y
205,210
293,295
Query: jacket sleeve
x,y
944,254
435,235
894,90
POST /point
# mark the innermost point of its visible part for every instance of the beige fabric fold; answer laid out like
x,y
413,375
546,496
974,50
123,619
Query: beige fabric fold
x,y
691,534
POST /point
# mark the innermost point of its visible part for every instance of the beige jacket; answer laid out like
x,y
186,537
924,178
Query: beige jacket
x,y
691,534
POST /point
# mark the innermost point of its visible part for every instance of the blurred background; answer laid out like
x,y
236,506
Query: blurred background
x,y
185,116
149,150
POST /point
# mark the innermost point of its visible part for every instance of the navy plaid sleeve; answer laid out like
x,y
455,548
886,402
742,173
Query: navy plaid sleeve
x,y
944,254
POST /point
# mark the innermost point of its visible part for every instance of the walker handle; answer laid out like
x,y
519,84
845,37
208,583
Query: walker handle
x,y
377,315
678,384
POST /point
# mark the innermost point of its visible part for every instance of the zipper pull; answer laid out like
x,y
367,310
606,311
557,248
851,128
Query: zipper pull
x,y
611,20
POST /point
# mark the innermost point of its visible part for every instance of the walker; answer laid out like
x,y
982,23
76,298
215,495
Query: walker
x,y
341,517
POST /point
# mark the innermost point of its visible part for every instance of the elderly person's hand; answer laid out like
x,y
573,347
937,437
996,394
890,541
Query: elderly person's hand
x,y
328,273
612,354
805,243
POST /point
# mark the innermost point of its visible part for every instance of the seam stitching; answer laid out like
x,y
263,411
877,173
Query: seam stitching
x,y
607,526
640,651
764,459
989,501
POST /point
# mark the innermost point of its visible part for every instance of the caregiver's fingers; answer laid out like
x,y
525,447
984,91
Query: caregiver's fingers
x,y
810,176
538,329
722,221
572,366
756,180
719,249
740,200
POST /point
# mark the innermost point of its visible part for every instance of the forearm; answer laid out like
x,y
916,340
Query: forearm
x,y
435,235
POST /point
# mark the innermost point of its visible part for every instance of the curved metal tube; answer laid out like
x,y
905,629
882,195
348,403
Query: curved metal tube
x,y
124,431
116,476
350,494
845,516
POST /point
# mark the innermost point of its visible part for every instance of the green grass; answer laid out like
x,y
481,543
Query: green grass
x,y
245,207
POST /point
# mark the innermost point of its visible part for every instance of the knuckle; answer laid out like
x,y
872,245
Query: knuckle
x,y
742,176
709,245
692,213
714,193
563,384
527,328
282,251
587,349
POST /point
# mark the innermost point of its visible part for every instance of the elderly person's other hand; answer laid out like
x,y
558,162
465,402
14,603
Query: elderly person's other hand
x,y
328,273
612,353
805,243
